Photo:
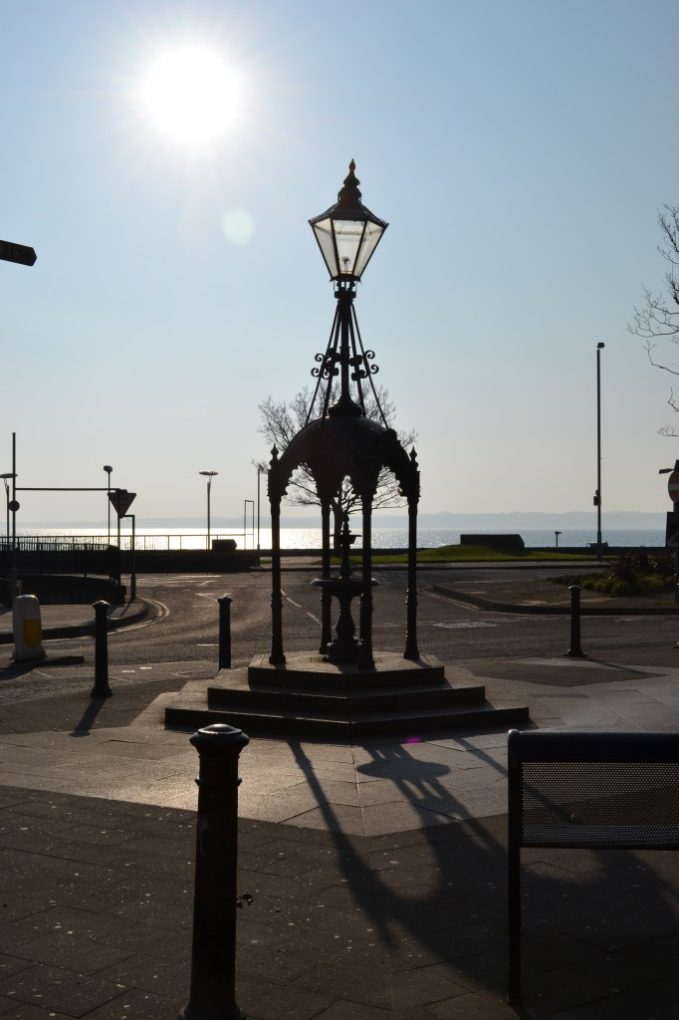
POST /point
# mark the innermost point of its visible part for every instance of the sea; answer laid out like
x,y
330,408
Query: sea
x,y
310,538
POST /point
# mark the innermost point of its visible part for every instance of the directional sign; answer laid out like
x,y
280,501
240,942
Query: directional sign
x,y
673,486
11,252
122,500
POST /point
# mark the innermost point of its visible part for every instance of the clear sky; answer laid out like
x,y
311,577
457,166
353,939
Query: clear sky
x,y
520,152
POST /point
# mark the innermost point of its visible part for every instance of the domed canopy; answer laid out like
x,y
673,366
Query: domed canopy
x,y
335,448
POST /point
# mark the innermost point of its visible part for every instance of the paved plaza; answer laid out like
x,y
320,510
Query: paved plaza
x,y
377,872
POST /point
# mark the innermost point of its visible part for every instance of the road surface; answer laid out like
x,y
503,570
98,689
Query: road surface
x,y
185,624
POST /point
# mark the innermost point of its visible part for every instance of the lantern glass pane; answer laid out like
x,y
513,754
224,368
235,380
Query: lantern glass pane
x,y
348,235
373,233
323,232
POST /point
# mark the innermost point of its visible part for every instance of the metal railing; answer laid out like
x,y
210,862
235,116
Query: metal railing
x,y
166,542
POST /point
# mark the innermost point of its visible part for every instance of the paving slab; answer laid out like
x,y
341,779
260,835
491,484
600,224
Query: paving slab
x,y
377,871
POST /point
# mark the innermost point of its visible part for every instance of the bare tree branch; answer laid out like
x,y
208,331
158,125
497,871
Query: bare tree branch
x,y
657,318
281,421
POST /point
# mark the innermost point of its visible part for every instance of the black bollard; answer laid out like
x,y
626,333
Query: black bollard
x,y
575,650
101,688
213,957
225,631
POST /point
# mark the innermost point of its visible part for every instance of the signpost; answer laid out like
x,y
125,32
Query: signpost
x,y
121,500
673,487
672,526
21,253
25,256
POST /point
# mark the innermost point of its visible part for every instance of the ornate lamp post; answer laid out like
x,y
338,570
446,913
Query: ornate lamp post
x,y
210,475
343,443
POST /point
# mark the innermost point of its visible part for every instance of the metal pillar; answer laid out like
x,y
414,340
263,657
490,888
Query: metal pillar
x,y
225,631
101,687
213,957
326,598
411,650
277,657
575,650
365,654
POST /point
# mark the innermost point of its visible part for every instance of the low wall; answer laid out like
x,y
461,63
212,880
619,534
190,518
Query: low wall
x,y
191,561
54,589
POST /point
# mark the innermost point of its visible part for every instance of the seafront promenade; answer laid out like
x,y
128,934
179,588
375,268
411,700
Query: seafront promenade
x,y
377,872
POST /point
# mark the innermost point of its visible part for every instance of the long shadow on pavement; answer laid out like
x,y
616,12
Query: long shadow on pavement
x,y
601,933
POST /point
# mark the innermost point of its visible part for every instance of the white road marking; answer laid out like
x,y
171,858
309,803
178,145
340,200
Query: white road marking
x,y
298,606
464,626
162,613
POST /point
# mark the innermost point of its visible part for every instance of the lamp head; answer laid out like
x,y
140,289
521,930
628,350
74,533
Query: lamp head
x,y
347,233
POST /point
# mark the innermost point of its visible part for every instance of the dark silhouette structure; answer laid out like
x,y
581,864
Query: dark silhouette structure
x,y
344,688
344,443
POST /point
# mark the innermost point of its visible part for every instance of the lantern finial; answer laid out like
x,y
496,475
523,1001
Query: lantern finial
x,y
349,193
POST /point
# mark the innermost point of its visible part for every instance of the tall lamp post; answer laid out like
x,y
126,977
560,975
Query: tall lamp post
x,y
108,469
245,513
259,470
209,475
597,496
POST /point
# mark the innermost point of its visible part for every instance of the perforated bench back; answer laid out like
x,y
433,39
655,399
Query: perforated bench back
x,y
575,788
594,790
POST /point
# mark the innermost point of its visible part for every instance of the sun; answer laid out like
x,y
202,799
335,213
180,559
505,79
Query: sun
x,y
191,95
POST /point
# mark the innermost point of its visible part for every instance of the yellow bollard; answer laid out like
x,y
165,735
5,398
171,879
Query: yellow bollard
x,y
27,627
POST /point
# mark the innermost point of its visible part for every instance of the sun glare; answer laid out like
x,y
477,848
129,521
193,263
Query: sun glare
x,y
191,95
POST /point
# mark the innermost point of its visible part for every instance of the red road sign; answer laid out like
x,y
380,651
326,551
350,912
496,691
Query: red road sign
x,y
673,486
21,253
122,500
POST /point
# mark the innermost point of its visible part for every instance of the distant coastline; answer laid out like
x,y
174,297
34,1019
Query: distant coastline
x,y
516,521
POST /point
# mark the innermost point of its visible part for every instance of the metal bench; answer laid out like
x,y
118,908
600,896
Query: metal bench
x,y
586,790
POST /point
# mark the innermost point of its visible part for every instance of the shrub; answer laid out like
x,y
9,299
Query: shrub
x,y
637,572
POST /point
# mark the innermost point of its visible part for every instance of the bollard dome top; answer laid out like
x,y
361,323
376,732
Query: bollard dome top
x,y
219,737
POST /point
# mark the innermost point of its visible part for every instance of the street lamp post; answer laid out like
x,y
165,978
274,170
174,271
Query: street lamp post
x,y
108,469
259,472
556,538
245,513
597,496
209,475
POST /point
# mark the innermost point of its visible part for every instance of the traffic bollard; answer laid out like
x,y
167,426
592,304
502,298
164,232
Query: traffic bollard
x,y
27,629
575,650
101,688
213,956
225,631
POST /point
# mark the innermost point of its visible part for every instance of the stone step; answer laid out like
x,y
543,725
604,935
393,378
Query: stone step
x,y
310,670
424,696
190,714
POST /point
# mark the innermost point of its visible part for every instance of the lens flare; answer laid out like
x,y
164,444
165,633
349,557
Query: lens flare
x,y
238,226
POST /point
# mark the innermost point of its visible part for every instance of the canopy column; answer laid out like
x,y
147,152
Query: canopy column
x,y
326,598
365,655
